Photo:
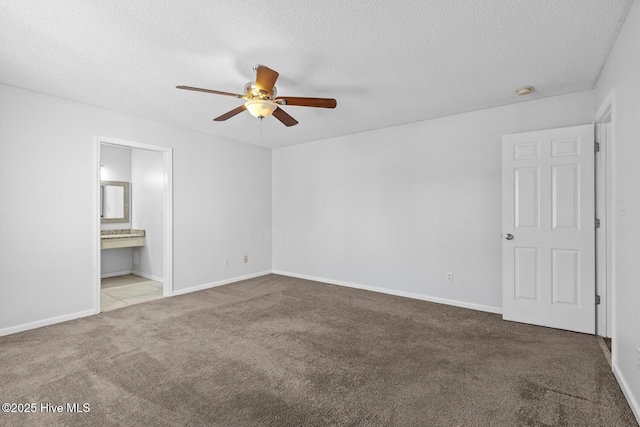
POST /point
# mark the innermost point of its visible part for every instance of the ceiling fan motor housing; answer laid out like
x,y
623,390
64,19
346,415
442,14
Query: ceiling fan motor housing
x,y
252,92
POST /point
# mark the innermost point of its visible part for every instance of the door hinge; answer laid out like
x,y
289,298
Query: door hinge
x,y
597,147
597,223
597,299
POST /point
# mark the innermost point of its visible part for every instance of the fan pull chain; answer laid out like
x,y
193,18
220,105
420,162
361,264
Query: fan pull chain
x,y
261,132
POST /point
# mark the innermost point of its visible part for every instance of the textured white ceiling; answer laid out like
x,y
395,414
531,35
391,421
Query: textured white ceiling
x,y
386,62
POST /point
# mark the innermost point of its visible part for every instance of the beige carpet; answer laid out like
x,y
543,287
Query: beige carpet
x,y
278,351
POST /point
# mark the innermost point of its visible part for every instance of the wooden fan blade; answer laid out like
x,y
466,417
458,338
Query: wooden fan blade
x,y
286,119
217,92
308,102
265,79
230,114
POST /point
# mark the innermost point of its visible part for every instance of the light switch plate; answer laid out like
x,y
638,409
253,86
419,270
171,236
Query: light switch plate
x,y
622,202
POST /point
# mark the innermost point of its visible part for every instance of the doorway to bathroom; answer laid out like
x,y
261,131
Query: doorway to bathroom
x,y
134,255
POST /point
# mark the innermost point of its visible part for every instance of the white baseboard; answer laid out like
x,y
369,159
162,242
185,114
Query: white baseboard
x,y
116,273
472,306
51,321
148,276
45,322
219,283
137,273
631,399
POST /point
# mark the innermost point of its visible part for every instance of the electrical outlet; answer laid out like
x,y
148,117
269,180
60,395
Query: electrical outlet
x,y
246,259
638,351
225,263
449,277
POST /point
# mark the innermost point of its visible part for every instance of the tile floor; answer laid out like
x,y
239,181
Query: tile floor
x,y
122,291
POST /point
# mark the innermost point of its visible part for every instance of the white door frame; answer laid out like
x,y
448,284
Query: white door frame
x,y
168,211
605,195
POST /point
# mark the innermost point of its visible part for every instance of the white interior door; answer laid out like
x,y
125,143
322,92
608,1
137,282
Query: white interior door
x,y
548,246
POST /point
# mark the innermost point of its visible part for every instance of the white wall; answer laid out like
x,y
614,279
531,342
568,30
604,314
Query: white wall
x,y
621,73
222,205
116,166
147,211
397,208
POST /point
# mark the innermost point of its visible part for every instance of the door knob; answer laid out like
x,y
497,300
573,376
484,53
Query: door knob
x,y
508,236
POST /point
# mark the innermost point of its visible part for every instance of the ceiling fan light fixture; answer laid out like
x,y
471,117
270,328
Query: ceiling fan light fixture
x,y
260,108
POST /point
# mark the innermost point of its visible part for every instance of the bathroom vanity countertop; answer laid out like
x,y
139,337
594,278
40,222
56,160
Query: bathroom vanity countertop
x,y
121,234
113,239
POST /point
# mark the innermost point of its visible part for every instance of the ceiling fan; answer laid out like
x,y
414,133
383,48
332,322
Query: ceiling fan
x,y
262,100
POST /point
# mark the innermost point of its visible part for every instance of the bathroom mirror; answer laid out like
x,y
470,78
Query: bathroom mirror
x,y
114,201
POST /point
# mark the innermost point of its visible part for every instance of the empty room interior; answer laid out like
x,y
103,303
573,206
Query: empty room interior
x,y
320,213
